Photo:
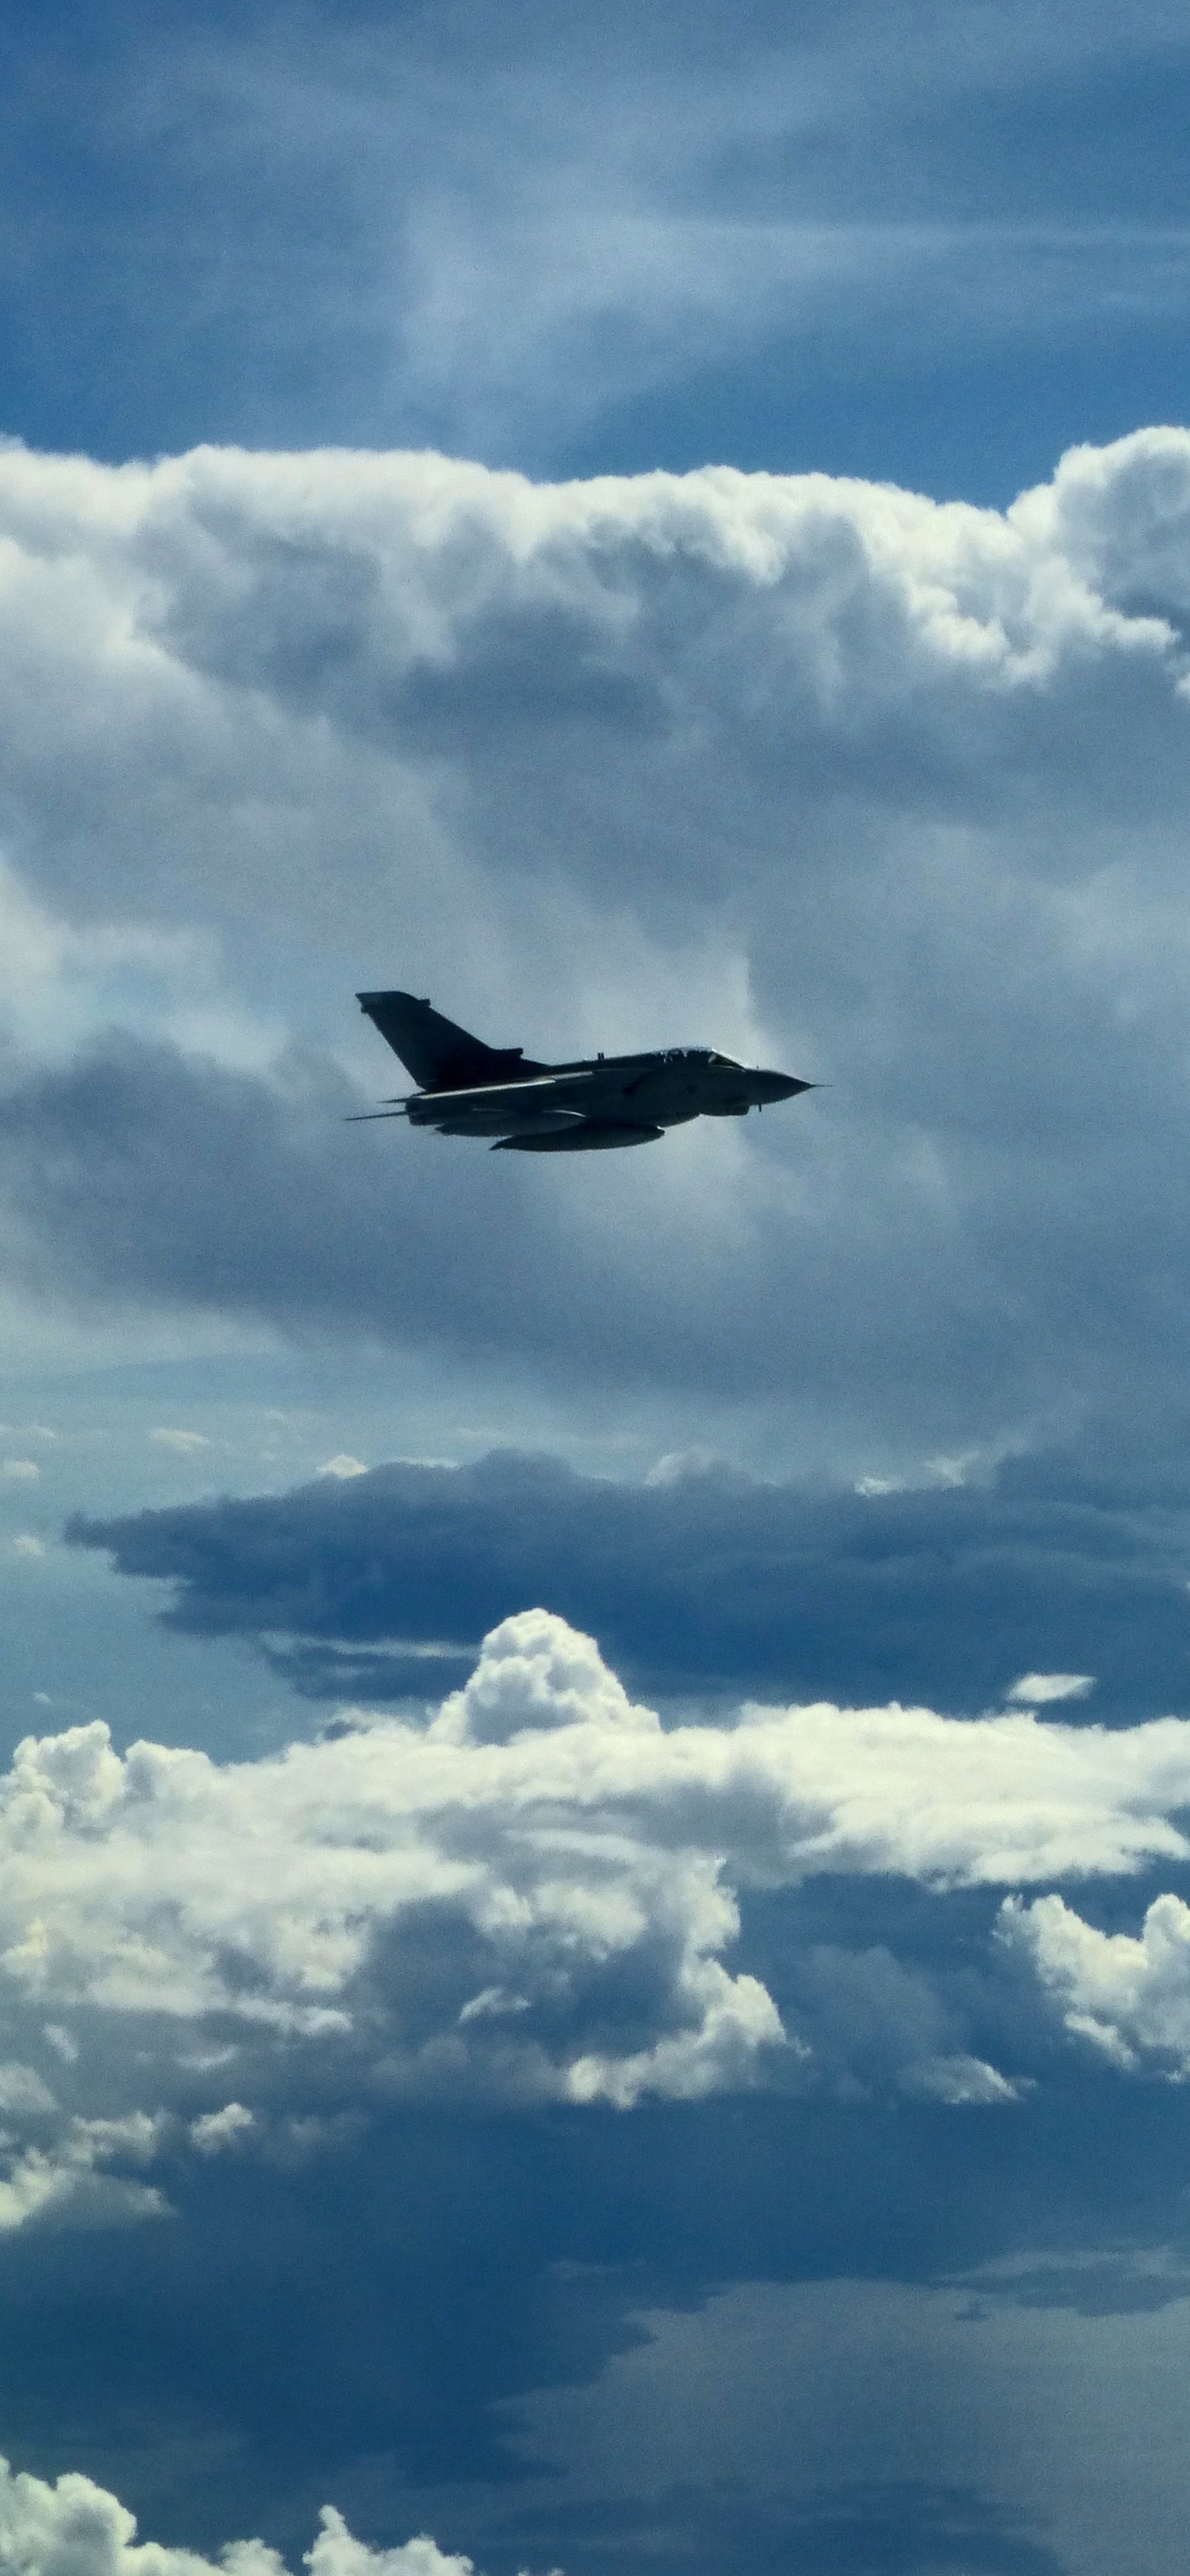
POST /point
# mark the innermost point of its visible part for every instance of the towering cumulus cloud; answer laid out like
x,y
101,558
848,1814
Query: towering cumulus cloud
x,y
529,1898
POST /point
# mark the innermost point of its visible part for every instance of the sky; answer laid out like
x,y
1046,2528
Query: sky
x,y
595,1752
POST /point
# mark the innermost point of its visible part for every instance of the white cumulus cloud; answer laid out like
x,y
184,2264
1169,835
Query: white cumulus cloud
x,y
533,1896
1129,1994
75,2528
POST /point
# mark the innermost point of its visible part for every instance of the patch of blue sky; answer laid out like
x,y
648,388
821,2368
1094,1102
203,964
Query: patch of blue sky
x,y
898,242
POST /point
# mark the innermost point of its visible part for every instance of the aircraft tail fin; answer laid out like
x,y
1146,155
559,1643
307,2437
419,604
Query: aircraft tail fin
x,y
439,1055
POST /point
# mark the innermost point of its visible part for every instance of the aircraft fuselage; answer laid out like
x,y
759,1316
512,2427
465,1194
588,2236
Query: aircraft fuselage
x,y
600,1101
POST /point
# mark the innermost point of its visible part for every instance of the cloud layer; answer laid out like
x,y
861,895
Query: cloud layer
x,y
527,1899
701,1579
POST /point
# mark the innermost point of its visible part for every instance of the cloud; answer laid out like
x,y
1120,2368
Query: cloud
x,y
70,2174
74,2528
183,1441
960,2079
527,1899
700,1581
505,1936
59,979
1129,1996
884,789
217,2130
1043,1690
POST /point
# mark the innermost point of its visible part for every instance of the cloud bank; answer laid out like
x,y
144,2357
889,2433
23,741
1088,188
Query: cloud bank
x,y
699,1580
527,1899
885,789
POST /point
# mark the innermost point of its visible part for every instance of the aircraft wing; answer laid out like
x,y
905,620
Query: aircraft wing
x,y
556,1113
540,1094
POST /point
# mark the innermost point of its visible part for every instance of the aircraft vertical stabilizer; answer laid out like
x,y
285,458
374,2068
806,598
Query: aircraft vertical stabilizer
x,y
439,1055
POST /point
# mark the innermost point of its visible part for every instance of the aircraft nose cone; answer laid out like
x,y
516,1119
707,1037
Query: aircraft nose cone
x,y
779,1086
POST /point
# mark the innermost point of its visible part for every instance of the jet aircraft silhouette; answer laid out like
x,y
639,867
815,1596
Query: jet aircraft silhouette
x,y
469,1089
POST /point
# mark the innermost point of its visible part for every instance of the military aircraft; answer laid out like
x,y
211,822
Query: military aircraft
x,y
469,1089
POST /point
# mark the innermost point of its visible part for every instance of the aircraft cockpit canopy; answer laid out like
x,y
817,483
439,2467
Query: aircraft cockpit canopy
x,y
699,1055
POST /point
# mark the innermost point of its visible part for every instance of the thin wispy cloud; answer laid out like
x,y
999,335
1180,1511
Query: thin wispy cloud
x,y
506,244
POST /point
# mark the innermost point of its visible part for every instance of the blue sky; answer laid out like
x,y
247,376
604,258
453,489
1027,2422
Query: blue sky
x,y
928,244
595,1908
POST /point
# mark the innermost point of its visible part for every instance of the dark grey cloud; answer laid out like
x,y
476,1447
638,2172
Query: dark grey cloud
x,y
139,1172
705,1582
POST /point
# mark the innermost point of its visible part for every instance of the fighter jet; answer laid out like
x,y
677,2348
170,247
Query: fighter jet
x,y
599,1102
